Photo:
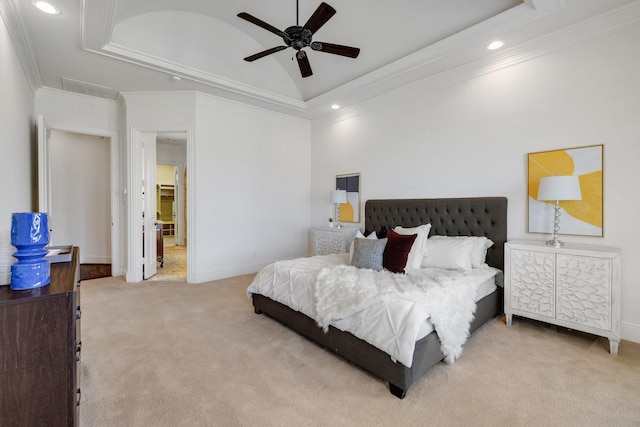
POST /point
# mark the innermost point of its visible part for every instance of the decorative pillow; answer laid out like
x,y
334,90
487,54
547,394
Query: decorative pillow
x,y
367,253
451,254
419,248
397,251
480,246
359,235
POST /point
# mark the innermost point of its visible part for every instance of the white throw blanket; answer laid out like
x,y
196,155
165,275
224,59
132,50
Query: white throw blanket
x,y
446,297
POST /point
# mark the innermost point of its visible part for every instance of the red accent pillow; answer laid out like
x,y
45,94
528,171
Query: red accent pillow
x,y
397,251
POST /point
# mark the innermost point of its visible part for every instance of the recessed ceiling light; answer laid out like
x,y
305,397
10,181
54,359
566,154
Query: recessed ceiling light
x,y
47,7
335,106
497,44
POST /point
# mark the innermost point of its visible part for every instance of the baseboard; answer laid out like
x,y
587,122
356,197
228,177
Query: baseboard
x,y
630,332
228,272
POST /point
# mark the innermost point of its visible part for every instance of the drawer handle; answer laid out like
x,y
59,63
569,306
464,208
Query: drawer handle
x,y
78,350
78,313
79,394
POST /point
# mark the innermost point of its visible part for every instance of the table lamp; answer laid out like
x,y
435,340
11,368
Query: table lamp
x,y
558,188
338,197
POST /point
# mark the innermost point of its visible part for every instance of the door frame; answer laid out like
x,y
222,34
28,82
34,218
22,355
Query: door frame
x,y
43,128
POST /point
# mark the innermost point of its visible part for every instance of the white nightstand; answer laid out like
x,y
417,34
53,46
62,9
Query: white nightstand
x,y
575,286
333,240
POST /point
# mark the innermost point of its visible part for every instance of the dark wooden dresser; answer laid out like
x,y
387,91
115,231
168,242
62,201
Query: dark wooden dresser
x,y
40,351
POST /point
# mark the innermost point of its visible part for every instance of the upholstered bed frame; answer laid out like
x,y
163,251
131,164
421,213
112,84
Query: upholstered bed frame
x,y
481,216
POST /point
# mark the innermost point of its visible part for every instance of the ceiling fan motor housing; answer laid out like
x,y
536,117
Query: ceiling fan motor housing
x,y
299,37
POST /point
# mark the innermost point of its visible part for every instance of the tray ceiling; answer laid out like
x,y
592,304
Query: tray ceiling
x,y
105,47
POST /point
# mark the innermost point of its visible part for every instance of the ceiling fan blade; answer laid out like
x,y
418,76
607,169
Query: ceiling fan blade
x,y
264,53
261,23
336,49
303,63
322,14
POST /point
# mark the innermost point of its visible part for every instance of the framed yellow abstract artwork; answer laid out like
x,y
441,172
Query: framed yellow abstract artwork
x,y
580,217
350,210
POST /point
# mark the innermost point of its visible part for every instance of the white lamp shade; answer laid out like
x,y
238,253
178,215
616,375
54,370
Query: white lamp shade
x,y
339,196
559,188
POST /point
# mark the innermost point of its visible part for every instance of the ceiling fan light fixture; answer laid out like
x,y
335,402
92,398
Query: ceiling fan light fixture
x,y
496,44
299,37
47,7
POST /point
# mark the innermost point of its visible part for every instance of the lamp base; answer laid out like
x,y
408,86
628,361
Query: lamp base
x,y
555,242
556,227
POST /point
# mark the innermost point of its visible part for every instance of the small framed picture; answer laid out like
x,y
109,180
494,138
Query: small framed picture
x,y
349,211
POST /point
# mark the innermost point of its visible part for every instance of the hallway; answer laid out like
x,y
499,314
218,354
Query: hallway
x,y
175,262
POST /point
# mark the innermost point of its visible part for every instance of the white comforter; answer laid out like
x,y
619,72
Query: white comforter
x,y
386,310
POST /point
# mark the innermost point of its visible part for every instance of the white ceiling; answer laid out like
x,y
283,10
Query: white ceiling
x,y
104,47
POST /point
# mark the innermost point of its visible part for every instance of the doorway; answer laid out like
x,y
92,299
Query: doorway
x,y
80,191
144,155
102,153
171,205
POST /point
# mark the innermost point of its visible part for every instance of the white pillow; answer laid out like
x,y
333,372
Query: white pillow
x,y
451,254
359,235
480,246
419,248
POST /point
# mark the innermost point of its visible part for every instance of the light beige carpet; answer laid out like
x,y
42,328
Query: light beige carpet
x,y
172,354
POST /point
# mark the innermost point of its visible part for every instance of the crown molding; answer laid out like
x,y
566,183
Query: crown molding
x,y
170,67
160,97
10,11
77,99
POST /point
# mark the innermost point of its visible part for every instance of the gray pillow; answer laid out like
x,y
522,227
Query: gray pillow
x,y
367,253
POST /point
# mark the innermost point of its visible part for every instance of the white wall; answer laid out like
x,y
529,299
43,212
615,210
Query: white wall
x,y
248,179
252,196
472,138
17,143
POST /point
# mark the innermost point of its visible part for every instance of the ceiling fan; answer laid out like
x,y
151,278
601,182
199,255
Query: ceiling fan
x,y
299,37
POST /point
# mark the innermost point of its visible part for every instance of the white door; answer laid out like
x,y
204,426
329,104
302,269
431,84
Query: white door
x,y
149,205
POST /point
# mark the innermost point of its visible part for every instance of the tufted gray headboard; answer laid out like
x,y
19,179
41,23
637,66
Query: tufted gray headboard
x,y
473,216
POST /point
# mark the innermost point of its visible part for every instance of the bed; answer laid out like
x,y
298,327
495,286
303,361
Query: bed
x,y
482,216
